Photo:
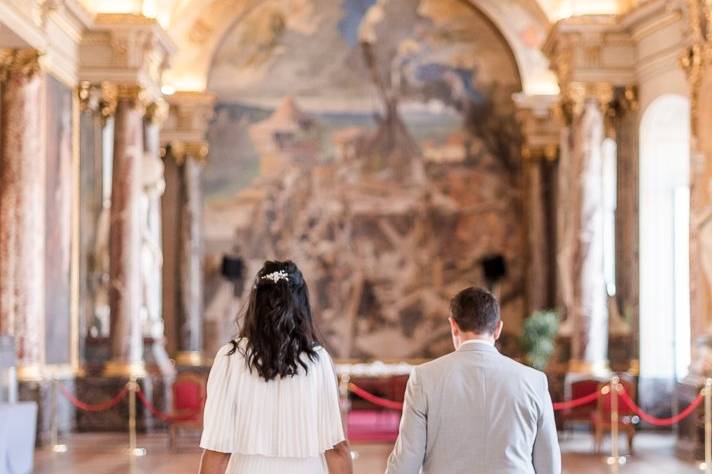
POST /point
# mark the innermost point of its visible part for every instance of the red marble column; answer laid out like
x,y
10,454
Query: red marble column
x,y
183,270
537,236
190,318
22,210
125,237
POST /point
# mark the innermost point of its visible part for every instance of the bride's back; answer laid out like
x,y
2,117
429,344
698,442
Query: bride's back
x,y
272,391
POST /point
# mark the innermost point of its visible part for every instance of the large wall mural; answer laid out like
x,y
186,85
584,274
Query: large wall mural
x,y
373,142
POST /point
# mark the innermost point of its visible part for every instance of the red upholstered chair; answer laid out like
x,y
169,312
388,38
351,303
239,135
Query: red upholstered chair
x,y
579,389
188,402
601,418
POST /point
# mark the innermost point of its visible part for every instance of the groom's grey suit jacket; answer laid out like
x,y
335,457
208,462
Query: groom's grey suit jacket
x,y
475,411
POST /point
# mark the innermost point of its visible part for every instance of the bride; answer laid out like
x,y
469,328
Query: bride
x,y
273,404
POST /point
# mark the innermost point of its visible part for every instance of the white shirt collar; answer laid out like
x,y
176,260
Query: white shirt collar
x,y
478,341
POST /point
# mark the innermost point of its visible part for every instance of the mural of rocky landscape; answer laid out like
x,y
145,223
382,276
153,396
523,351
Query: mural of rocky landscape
x,y
372,142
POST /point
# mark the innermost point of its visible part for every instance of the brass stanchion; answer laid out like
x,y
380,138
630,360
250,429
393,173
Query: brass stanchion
x,y
134,451
707,392
345,405
615,459
53,424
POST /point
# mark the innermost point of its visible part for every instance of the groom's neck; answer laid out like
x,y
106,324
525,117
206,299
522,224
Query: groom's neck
x,y
472,336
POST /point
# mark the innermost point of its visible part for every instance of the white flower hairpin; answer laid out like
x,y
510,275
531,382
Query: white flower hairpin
x,y
274,277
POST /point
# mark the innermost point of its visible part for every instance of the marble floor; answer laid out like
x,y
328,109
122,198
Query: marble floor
x,y
105,454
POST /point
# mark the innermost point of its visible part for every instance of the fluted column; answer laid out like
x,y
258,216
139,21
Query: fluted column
x,y
22,209
125,236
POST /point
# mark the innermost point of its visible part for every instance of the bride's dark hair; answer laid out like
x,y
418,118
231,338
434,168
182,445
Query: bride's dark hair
x,y
277,327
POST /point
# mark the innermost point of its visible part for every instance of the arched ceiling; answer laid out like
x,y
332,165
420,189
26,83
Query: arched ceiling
x,y
198,27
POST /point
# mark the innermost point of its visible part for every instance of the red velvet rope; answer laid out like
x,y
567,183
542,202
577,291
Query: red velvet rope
x,y
167,417
369,397
96,407
660,421
579,402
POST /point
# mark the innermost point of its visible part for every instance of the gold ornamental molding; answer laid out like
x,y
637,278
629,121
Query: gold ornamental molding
x,y
25,62
115,369
157,111
30,373
588,368
180,151
698,55
190,358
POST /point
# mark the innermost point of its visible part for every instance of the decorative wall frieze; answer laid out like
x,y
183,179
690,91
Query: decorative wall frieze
x,y
126,49
185,128
591,49
541,125
52,27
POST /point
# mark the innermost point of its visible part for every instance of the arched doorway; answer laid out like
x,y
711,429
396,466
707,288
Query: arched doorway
x,y
664,240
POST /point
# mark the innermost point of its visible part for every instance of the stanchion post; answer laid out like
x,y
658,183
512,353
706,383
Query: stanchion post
x,y
345,405
133,388
707,393
53,424
615,460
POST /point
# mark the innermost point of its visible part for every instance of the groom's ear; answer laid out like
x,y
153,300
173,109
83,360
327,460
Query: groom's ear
x,y
498,329
453,326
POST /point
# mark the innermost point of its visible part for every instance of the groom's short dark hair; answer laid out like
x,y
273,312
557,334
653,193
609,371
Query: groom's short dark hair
x,y
475,310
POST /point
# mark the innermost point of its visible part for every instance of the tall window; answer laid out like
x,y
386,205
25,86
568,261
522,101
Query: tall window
x,y
664,239
608,171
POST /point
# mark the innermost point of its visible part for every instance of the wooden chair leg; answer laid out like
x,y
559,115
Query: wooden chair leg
x,y
597,438
172,437
631,435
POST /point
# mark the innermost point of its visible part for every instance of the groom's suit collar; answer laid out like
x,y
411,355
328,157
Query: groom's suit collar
x,y
477,346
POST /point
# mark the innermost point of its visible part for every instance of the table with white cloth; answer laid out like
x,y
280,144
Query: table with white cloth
x,y
18,423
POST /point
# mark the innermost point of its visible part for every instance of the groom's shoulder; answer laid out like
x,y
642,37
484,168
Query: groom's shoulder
x,y
501,363
438,364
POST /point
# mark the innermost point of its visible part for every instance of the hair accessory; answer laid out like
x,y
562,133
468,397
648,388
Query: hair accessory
x,y
274,277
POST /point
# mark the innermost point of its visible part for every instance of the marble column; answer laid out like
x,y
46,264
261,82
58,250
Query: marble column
x,y
190,319
125,237
153,186
155,354
580,255
22,209
701,231
184,214
538,237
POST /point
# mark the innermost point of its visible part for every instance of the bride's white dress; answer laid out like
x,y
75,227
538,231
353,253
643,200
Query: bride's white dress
x,y
276,427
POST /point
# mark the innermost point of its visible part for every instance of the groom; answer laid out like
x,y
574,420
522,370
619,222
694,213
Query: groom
x,y
475,410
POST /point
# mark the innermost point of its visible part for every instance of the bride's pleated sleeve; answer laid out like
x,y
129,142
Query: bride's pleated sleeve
x,y
329,427
219,415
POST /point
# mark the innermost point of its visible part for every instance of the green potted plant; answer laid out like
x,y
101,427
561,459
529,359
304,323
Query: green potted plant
x,y
538,336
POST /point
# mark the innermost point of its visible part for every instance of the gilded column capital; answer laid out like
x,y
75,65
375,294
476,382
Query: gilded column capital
x,y
157,111
180,151
540,125
25,62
